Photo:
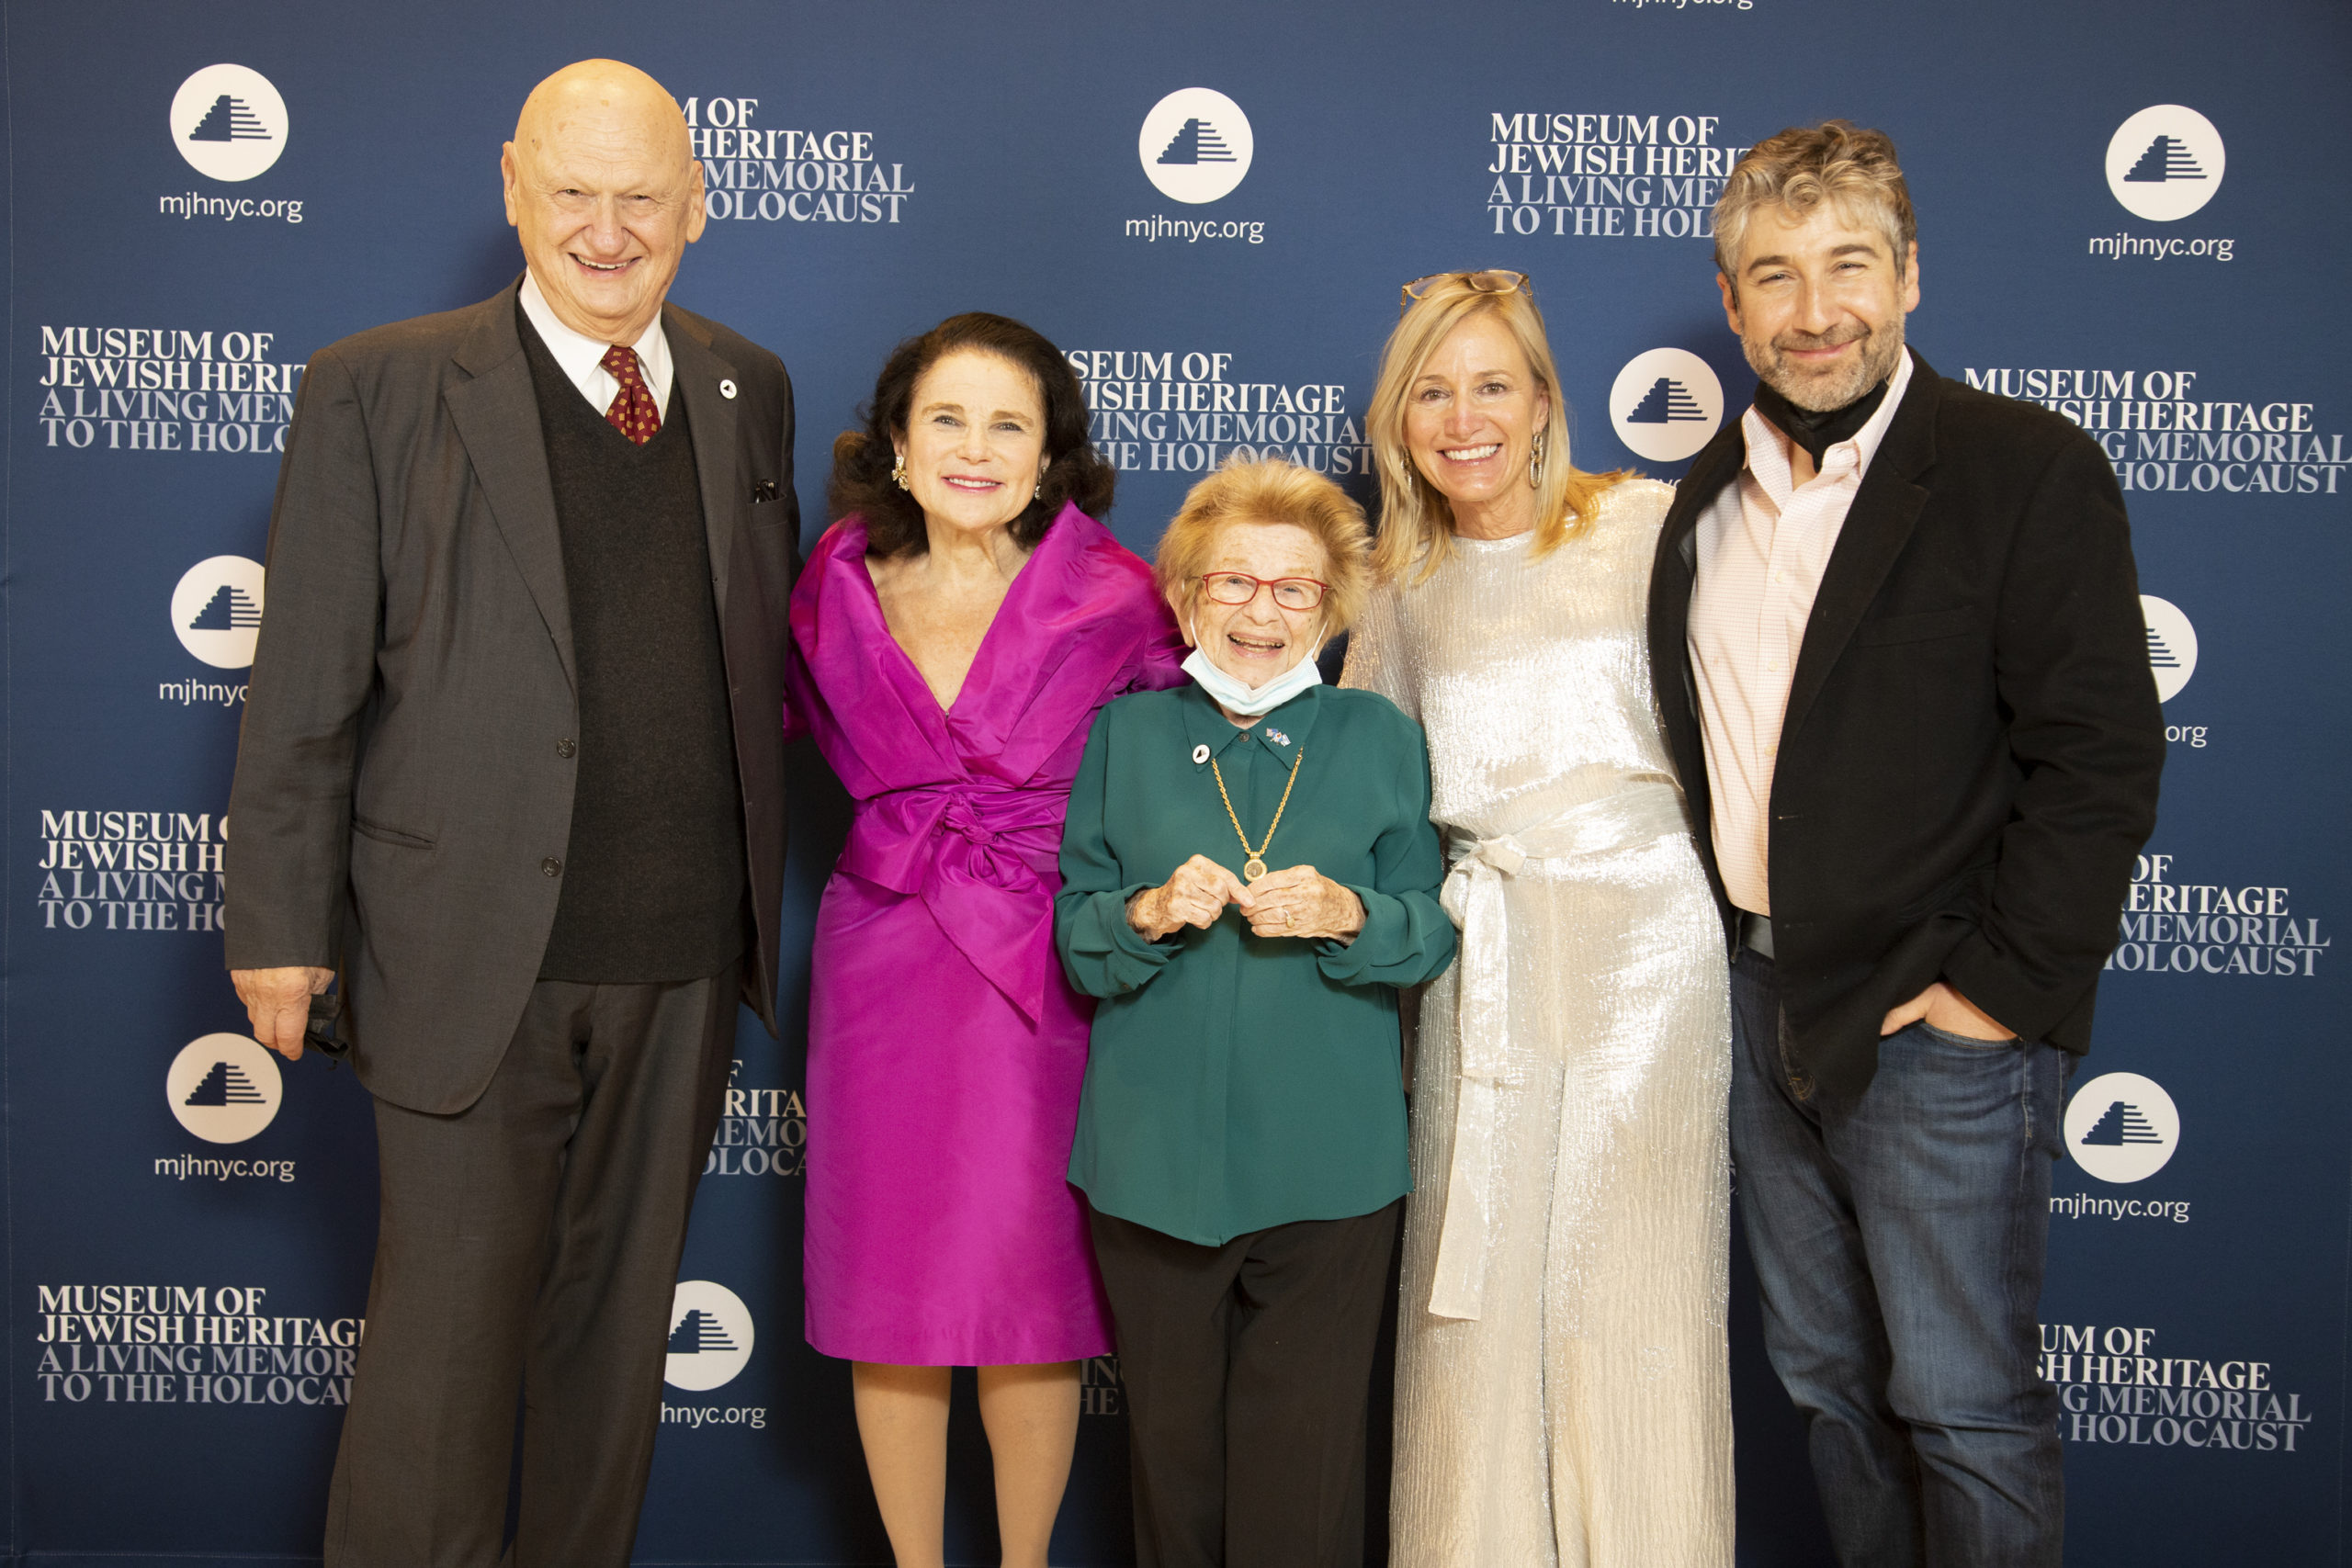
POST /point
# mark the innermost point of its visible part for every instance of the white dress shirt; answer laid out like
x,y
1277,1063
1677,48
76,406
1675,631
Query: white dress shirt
x,y
581,358
1763,545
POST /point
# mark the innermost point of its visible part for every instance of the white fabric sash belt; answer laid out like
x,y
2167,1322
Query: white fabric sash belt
x,y
1642,809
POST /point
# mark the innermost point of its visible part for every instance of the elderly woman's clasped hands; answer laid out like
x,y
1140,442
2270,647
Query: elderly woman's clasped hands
x,y
1297,901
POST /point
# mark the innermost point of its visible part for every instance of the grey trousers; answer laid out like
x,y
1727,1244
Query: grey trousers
x,y
530,1243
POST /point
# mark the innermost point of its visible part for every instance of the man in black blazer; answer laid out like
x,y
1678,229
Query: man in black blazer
x,y
512,768
1897,644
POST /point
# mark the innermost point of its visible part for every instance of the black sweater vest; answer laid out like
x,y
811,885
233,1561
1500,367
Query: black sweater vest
x,y
654,878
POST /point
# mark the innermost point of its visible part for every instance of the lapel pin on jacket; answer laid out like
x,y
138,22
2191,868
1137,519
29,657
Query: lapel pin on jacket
x,y
726,389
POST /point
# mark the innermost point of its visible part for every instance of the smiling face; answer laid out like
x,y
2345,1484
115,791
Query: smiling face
x,y
1470,419
603,189
974,446
1257,641
1819,304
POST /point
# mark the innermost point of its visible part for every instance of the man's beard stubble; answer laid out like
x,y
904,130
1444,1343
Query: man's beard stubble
x,y
1823,393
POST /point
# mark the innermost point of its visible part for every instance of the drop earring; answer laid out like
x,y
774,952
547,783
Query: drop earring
x,y
898,471
1535,464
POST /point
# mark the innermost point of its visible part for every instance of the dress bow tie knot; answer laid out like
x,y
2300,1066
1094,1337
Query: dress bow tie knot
x,y
1643,808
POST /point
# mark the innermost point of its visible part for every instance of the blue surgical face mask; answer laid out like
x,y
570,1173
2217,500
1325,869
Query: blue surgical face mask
x,y
1230,692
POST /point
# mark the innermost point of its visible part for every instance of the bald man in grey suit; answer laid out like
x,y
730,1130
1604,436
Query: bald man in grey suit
x,y
511,768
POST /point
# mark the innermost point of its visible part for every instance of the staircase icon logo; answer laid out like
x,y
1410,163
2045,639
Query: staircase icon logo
x,y
2123,1123
2172,646
223,1088
2166,159
1198,142
228,610
710,1336
229,122
231,118
2164,162
1666,401
1195,145
1666,404
697,1333
2121,1127
215,610
225,1084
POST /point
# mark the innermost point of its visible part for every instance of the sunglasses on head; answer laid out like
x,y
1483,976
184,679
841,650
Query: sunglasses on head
x,y
1494,281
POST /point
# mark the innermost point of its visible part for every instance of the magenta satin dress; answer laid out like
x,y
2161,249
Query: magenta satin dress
x,y
946,1049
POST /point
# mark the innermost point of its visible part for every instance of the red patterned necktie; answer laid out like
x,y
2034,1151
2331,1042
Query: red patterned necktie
x,y
634,412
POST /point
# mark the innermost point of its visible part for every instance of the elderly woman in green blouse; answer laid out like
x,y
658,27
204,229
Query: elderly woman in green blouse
x,y
1249,874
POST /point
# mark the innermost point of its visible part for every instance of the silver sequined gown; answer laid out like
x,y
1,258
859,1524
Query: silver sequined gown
x,y
1583,1416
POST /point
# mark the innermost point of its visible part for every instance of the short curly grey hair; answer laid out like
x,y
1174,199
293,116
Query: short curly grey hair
x,y
1802,167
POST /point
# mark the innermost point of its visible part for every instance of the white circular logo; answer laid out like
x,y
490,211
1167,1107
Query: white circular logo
x,y
2121,1127
2172,646
224,1087
229,122
1196,144
1666,404
2164,162
710,1336
217,610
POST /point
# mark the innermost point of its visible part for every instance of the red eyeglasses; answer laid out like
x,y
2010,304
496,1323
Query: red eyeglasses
x,y
1239,588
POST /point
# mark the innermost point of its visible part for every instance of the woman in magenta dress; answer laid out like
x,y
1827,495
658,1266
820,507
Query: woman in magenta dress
x,y
954,635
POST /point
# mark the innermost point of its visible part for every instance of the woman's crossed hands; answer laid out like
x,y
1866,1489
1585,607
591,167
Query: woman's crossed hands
x,y
1297,902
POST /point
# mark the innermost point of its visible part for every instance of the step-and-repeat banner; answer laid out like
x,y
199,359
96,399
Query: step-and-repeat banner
x,y
2134,215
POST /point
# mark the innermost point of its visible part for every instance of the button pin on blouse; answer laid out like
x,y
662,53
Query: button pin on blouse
x,y
1200,755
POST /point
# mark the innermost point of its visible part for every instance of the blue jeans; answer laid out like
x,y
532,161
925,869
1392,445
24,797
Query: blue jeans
x,y
1898,1243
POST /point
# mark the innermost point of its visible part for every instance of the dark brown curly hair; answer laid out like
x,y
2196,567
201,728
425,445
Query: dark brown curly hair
x,y
864,457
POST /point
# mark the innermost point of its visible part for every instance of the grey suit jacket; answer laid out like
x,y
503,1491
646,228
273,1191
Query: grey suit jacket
x,y
405,773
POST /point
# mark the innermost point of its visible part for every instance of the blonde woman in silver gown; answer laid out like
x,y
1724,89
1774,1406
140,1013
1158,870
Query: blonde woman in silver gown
x,y
1562,1392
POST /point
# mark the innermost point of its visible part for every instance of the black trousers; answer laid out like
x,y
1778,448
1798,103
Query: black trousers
x,y
530,1243
1247,1369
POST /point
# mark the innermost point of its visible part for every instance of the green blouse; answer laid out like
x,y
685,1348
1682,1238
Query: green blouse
x,y
1234,1081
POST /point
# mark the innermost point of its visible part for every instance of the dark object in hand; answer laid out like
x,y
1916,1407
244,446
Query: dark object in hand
x,y
323,1033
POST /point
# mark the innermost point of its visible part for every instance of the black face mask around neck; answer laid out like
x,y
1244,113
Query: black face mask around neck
x,y
1816,432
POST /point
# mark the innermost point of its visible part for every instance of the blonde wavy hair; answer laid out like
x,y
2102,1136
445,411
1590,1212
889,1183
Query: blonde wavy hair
x,y
1416,523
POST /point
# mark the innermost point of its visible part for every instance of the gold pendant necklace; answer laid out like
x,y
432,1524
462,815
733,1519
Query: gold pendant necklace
x,y
1255,866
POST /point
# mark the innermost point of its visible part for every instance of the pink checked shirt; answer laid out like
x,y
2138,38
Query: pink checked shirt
x,y
1762,547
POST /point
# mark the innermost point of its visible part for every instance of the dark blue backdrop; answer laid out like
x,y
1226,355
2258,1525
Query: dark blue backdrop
x,y
188,1230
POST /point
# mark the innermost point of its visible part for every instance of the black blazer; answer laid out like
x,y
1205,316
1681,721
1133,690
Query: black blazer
x,y
1969,760
400,781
